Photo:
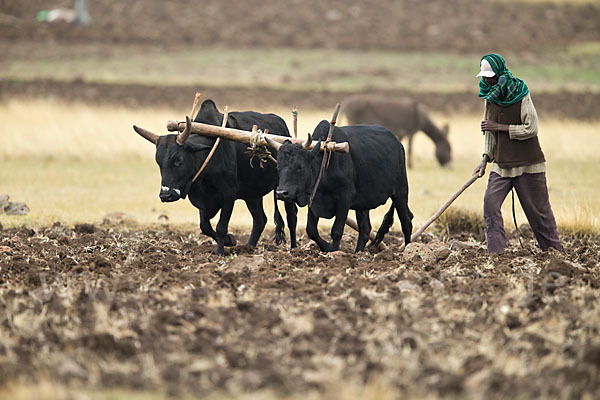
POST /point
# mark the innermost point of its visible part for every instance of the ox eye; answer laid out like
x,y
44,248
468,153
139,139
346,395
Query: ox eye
x,y
178,161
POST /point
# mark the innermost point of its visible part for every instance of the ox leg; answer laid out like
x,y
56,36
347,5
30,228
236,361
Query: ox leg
x,y
259,219
313,232
208,230
205,225
386,224
222,227
364,228
401,204
279,224
337,230
291,213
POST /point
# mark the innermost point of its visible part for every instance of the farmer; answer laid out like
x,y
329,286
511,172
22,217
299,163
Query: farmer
x,y
511,143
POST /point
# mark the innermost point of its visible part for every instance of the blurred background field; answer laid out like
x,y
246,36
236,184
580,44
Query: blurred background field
x,y
75,163
70,95
572,67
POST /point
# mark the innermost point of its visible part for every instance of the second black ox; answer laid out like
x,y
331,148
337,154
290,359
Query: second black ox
x,y
229,175
371,173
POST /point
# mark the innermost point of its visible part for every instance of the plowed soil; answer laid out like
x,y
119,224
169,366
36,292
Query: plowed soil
x,y
157,310
102,307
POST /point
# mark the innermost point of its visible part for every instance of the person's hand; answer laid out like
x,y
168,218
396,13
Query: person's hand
x,y
480,169
488,125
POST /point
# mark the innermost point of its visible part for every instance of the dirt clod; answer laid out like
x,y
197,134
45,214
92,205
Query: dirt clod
x,y
16,208
3,202
118,218
84,228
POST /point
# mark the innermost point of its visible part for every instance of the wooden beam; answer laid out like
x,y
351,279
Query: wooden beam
x,y
245,136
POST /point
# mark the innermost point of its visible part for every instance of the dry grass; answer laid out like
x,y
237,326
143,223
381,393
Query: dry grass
x,y
559,2
456,219
581,220
75,163
47,390
51,130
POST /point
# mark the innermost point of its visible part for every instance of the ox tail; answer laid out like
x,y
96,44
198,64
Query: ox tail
x,y
400,200
279,224
386,224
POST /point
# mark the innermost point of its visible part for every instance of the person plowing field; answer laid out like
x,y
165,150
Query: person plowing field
x,y
511,143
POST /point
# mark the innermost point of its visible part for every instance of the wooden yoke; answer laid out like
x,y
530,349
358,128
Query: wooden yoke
x,y
246,136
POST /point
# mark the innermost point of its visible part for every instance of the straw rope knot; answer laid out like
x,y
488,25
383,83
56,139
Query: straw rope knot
x,y
256,137
256,149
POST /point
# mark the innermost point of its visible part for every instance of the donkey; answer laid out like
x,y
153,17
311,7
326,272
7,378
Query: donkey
x,y
403,116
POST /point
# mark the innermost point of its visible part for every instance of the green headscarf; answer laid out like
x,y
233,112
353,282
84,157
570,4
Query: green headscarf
x,y
508,90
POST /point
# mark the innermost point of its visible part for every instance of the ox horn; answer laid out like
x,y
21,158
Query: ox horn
x,y
272,143
306,144
182,137
149,136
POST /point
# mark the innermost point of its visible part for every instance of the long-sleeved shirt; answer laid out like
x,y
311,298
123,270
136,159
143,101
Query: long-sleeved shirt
x,y
527,130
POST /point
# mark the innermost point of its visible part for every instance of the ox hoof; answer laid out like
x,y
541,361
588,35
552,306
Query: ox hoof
x,y
279,238
328,248
376,246
230,240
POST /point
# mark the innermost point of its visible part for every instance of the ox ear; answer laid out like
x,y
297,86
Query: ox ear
x,y
316,150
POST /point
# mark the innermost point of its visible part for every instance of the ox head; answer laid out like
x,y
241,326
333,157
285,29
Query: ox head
x,y
176,156
443,151
298,168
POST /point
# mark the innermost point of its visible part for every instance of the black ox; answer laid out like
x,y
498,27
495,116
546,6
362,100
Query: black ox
x,y
229,175
373,171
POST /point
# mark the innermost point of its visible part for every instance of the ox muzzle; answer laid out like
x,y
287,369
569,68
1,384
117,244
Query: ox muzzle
x,y
283,194
302,199
168,194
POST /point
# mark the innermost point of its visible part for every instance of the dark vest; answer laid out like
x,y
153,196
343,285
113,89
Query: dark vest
x,y
513,153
